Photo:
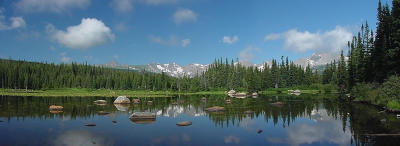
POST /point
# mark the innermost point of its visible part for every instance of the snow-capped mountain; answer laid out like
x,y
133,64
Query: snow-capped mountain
x,y
176,70
316,60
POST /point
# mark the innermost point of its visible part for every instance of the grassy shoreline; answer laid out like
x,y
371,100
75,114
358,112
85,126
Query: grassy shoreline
x,y
83,92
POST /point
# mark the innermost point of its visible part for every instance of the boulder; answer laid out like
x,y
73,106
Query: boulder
x,y
55,111
55,108
149,102
254,94
240,95
122,100
297,91
277,103
232,92
100,101
136,101
184,123
215,109
143,117
114,121
203,98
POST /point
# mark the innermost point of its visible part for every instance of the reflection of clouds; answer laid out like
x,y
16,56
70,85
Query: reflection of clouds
x,y
171,140
80,137
176,110
247,123
325,129
231,139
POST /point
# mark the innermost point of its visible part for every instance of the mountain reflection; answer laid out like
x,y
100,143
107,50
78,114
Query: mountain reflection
x,y
306,119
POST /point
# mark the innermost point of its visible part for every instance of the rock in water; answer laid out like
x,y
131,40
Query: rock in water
x,y
122,100
90,125
259,131
114,121
100,101
1,121
184,123
254,94
103,113
136,101
215,109
56,108
249,112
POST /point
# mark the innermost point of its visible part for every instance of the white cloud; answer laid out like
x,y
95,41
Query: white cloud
x,y
184,15
247,54
329,41
159,2
90,33
185,42
231,139
171,41
57,6
122,5
15,22
64,58
230,40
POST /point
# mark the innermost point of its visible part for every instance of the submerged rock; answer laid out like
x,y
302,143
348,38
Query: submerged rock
x,y
1,121
215,109
56,108
228,101
122,100
90,125
103,113
259,131
184,123
100,101
114,121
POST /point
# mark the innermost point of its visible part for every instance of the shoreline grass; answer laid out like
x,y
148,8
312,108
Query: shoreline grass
x,y
84,92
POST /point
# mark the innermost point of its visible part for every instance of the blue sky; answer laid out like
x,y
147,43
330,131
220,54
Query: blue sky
x,y
182,31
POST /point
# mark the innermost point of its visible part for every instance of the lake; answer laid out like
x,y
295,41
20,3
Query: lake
x,y
265,120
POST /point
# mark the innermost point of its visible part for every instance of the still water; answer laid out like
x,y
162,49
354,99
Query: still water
x,y
299,120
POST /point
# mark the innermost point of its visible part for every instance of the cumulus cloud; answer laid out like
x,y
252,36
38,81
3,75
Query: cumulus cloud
x,y
329,41
122,5
15,22
90,33
230,40
80,137
184,16
247,54
57,6
185,42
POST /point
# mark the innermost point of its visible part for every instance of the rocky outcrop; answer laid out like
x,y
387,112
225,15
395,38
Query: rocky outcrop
x,y
122,100
184,123
215,109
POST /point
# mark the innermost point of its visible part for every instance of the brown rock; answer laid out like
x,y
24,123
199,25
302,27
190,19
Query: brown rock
x,y
56,108
249,112
55,112
184,123
136,101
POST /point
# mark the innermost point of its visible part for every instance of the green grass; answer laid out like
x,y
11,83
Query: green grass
x,y
393,105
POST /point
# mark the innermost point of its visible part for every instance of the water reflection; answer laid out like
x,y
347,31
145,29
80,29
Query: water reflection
x,y
296,120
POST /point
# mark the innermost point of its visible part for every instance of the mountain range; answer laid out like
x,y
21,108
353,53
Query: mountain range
x,y
316,61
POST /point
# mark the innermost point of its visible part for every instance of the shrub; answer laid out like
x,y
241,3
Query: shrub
x,y
360,90
391,88
393,105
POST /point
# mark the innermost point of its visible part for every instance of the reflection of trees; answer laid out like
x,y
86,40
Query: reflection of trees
x,y
360,119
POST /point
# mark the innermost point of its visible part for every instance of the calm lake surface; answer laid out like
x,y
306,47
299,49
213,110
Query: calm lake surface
x,y
300,120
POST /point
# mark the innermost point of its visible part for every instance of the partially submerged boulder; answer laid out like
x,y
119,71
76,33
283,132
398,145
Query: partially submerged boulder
x,y
215,109
228,101
254,94
122,100
184,123
259,131
297,91
100,101
90,125
149,102
143,117
277,103
232,92
203,98
56,108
